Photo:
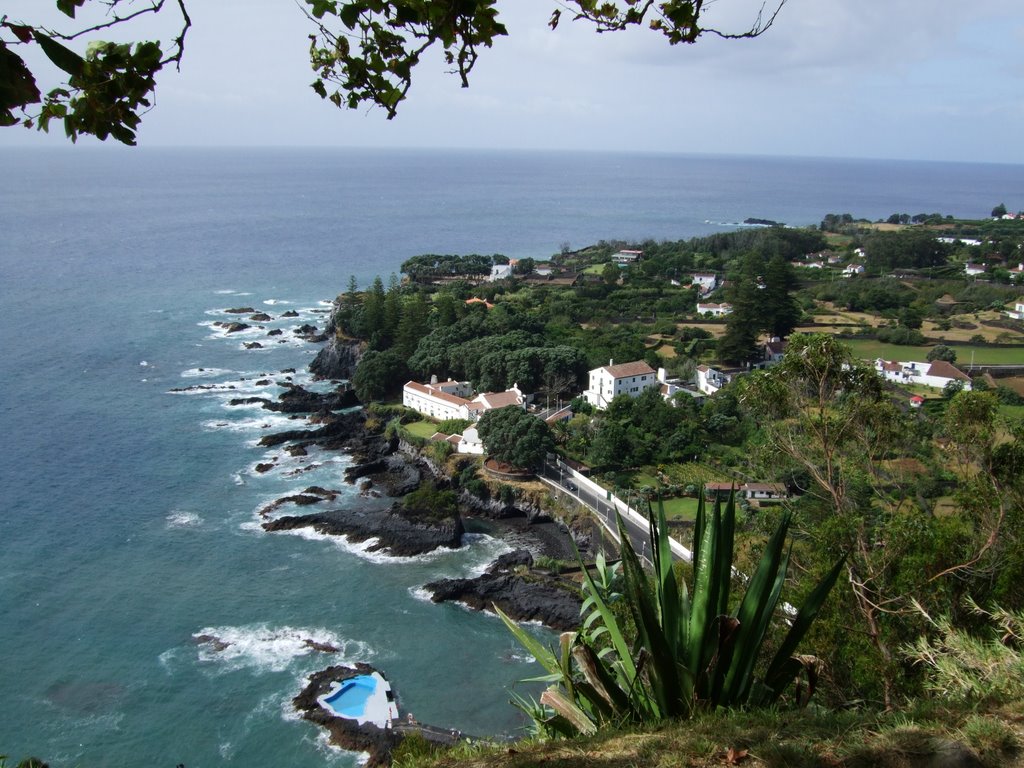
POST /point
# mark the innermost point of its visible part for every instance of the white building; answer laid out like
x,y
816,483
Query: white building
x,y
715,310
935,374
1017,313
626,378
470,442
705,282
853,269
974,269
709,380
449,400
1017,273
445,400
500,272
627,256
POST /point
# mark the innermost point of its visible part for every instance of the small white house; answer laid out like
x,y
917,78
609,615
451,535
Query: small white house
x,y
500,272
705,282
709,380
1017,273
853,269
470,442
774,349
627,256
971,269
1017,313
626,378
715,310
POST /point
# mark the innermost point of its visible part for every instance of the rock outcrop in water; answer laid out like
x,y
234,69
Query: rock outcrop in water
x,y
521,593
296,399
347,734
399,531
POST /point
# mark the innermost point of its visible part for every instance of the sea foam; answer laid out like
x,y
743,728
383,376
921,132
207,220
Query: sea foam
x,y
261,648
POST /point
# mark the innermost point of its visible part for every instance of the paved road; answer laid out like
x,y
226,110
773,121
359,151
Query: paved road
x,y
639,536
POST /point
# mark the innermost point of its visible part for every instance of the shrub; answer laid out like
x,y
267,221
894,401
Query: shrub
x,y
981,669
689,653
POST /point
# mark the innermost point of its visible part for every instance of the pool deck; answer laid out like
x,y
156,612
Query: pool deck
x,y
380,708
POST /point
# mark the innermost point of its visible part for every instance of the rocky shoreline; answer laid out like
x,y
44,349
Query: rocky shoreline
x,y
387,468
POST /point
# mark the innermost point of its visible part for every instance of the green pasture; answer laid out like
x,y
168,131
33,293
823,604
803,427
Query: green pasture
x,y
869,349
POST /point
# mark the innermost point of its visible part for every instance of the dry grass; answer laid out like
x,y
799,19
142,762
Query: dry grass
x,y
802,739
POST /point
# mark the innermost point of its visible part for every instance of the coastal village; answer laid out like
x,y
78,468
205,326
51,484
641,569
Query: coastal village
x,y
855,379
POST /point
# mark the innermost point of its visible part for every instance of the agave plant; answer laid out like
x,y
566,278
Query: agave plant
x,y
689,651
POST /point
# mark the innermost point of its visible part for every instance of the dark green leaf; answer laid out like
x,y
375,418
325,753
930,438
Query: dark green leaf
x,y
63,57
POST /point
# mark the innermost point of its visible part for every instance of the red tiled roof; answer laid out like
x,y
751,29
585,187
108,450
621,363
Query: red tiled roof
x,y
946,371
636,368
426,389
499,399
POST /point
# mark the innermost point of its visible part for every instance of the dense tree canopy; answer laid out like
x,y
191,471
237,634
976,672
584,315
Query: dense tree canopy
x,y
516,437
363,52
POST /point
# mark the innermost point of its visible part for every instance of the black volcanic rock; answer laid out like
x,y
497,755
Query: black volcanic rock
x,y
347,734
239,311
522,594
395,474
399,531
338,359
261,317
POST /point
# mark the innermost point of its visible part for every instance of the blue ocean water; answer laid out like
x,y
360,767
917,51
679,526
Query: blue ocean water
x,y
128,517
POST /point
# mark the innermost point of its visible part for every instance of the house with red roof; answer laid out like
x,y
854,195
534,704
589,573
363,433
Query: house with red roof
x,y
623,379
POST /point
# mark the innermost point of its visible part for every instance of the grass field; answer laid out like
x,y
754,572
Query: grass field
x,y
1012,411
682,508
422,429
869,349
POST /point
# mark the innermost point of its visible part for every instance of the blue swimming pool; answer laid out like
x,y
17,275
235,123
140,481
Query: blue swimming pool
x,y
351,698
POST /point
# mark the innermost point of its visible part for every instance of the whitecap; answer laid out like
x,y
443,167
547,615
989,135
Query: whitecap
x,y
183,519
275,302
194,373
143,363
261,648
250,425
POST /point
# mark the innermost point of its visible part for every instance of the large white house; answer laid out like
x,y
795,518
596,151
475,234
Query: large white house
x,y
935,374
626,378
450,399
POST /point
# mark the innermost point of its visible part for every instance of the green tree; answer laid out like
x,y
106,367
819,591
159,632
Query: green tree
x,y
744,323
364,52
412,326
611,273
779,305
515,437
373,326
379,375
999,211
942,352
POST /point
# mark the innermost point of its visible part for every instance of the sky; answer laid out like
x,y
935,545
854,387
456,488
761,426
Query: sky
x,y
901,79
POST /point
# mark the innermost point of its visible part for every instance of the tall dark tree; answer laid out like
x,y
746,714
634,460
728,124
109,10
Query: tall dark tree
x,y
779,306
744,323
373,327
413,325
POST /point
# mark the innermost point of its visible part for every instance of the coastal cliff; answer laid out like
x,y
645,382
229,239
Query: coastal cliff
x,y
338,358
